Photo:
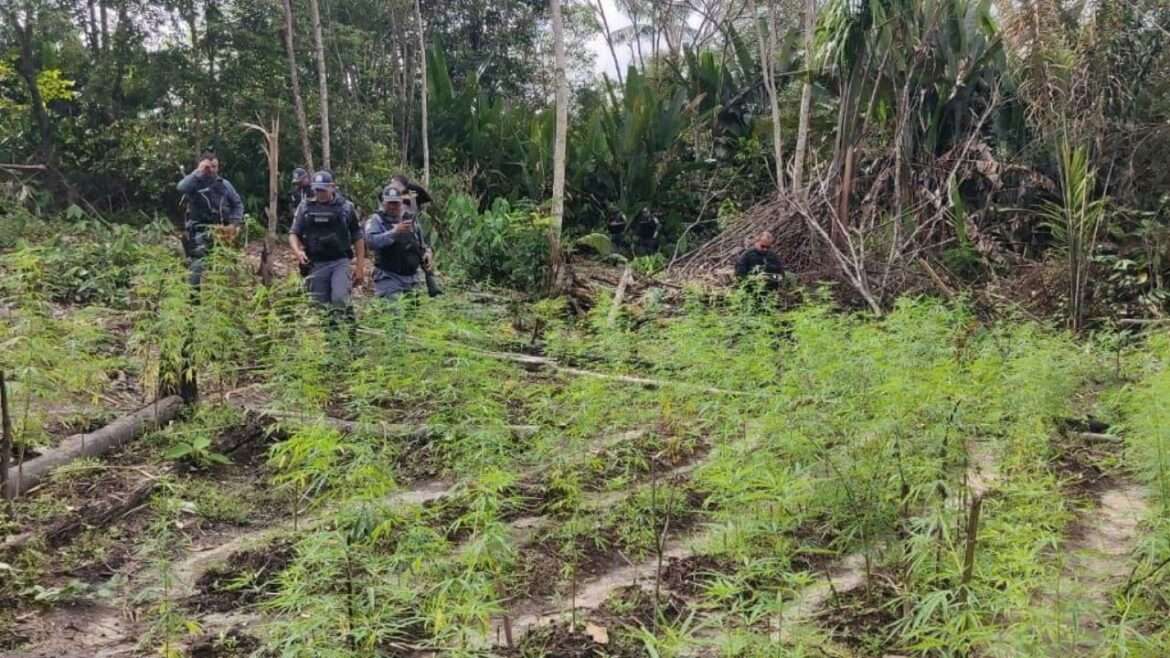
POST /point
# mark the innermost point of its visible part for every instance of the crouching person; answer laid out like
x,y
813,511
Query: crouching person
x,y
400,250
325,235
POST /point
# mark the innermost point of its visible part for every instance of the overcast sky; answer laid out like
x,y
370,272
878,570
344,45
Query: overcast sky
x,y
602,61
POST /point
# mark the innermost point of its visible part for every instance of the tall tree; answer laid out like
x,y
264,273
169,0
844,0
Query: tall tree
x,y
422,58
768,68
617,67
28,66
323,79
810,28
295,79
560,140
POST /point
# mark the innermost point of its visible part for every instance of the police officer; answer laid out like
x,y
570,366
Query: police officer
x,y
325,235
617,229
646,228
301,189
414,196
398,244
211,201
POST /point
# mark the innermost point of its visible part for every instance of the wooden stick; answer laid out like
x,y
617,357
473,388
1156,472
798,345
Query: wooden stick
x,y
383,429
537,362
94,514
969,555
618,296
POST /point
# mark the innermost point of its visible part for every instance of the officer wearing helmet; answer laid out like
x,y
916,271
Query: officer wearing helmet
x,y
325,235
399,247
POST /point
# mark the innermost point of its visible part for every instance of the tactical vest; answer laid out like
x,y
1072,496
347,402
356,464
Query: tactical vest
x,y
207,203
404,256
326,234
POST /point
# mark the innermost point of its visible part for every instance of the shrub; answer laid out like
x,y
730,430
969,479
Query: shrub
x,y
503,245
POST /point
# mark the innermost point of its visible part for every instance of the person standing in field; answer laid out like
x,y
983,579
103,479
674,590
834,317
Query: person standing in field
x,y
646,228
211,202
399,247
325,236
414,201
301,189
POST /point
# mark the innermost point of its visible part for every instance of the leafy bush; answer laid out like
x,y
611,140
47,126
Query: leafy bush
x,y
504,245
80,263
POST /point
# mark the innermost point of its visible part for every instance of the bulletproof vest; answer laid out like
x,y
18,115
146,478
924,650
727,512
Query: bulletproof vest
x,y
646,227
207,204
326,235
404,256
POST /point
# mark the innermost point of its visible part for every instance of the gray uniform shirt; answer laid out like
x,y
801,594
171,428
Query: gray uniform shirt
x,y
232,206
380,235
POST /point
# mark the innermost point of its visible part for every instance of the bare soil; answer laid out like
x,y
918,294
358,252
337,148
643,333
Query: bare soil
x,y
246,578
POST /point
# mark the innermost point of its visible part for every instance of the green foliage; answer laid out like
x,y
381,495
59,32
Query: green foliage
x,y
1076,222
649,265
196,450
504,245
84,263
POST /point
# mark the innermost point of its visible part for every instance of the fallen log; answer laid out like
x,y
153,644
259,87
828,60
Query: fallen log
x,y
25,476
1097,437
377,428
545,362
536,362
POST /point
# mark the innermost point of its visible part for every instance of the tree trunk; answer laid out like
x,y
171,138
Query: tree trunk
x,y
322,78
559,146
295,79
105,25
273,196
197,111
6,434
91,28
422,58
767,57
810,26
28,475
272,154
617,67
28,67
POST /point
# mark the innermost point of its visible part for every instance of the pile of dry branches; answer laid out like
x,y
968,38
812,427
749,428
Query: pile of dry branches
x,y
717,256
878,230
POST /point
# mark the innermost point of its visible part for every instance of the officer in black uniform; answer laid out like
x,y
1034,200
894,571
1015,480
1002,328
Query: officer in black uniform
x,y
646,228
760,260
616,224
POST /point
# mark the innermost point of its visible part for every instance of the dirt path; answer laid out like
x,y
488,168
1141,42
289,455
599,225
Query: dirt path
x,y
1096,562
591,593
849,573
103,630
188,570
